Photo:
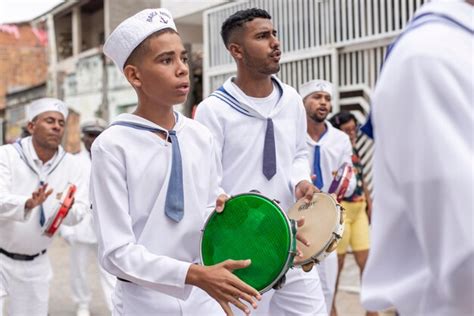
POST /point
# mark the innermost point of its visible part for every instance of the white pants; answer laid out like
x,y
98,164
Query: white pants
x,y
300,296
81,293
130,299
327,270
26,283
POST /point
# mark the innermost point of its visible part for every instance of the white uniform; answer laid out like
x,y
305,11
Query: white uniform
x,y
27,282
240,141
83,242
137,241
422,257
335,149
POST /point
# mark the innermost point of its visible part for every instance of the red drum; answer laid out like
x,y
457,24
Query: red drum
x,y
65,204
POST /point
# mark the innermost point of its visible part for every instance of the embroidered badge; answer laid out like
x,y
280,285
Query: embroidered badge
x,y
321,86
164,18
59,106
151,16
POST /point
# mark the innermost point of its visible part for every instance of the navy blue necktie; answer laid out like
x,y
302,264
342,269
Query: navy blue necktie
x,y
174,203
42,216
318,182
269,154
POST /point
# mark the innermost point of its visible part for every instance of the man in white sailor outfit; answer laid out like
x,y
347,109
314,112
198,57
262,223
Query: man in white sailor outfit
x,y
259,124
154,182
328,149
422,255
33,174
82,238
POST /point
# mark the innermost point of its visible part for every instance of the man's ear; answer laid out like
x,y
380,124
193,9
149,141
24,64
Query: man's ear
x,y
30,127
235,50
132,74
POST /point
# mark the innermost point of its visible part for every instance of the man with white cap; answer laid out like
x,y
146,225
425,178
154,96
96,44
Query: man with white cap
x,y
34,172
82,238
328,148
154,182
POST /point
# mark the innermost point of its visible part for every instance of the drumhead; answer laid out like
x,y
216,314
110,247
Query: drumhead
x,y
321,221
250,227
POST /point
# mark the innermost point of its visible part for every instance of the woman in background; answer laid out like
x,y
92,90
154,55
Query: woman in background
x,y
358,206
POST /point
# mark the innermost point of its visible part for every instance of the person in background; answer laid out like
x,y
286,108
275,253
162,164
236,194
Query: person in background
x,y
357,206
329,148
34,172
82,238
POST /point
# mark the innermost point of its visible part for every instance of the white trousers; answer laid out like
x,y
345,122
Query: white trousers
x,y
26,284
300,296
327,270
130,299
81,294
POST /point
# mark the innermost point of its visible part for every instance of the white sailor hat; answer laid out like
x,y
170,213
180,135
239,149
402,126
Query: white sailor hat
x,y
316,86
134,30
39,106
93,126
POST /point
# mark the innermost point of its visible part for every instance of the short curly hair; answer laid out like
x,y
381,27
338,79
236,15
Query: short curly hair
x,y
238,19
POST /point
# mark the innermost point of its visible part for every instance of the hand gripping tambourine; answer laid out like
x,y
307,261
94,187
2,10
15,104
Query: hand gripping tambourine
x,y
65,204
340,183
254,227
323,227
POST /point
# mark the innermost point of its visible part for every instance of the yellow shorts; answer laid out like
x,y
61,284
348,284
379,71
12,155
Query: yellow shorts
x,y
356,230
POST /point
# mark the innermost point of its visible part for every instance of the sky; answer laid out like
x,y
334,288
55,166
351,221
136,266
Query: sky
x,y
24,10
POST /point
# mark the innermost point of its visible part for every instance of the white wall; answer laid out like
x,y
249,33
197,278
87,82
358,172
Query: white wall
x,y
86,104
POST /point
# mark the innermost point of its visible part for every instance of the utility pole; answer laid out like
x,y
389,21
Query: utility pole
x,y
103,111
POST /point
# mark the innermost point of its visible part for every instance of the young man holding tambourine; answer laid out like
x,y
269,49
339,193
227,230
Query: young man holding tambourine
x,y
154,181
259,125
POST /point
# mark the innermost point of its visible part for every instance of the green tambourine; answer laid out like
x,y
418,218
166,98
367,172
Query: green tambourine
x,y
254,227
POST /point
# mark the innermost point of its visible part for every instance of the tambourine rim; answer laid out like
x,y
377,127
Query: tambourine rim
x,y
64,209
315,257
286,266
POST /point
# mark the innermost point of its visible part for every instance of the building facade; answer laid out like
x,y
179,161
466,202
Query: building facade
x,y
23,64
